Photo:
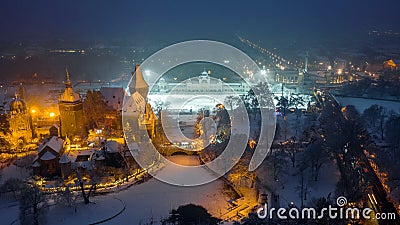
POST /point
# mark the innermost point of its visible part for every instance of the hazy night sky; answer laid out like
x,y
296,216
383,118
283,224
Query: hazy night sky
x,y
182,20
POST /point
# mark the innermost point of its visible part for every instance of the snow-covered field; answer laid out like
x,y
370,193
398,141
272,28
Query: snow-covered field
x,y
187,102
288,185
9,210
151,199
326,185
361,104
13,171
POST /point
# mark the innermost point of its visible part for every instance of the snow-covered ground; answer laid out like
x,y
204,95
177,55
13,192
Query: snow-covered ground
x,y
289,178
362,104
9,210
152,199
14,171
187,102
326,185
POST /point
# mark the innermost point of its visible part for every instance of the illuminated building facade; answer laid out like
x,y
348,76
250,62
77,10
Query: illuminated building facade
x,y
71,111
20,121
199,84
290,77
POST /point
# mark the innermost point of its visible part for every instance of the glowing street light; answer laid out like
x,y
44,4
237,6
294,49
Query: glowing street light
x,y
252,143
52,114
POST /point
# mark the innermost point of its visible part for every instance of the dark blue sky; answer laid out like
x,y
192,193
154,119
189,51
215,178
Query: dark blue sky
x,y
181,20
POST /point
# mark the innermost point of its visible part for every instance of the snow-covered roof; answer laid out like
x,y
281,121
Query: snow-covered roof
x,y
100,158
85,152
134,104
65,158
47,156
114,96
139,100
36,164
54,143
112,147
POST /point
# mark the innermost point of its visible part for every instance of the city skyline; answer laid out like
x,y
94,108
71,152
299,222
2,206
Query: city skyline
x,y
200,112
182,20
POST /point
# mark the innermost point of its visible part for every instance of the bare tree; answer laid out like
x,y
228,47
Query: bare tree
x,y
316,157
371,115
291,149
66,197
32,206
15,186
375,117
231,101
93,182
302,188
393,133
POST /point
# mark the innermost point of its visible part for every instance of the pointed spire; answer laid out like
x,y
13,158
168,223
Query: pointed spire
x,y
306,63
140,82
21,91
68,81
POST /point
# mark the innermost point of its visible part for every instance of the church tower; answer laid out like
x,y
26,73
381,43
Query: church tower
x,y
71,111
20,121
138,84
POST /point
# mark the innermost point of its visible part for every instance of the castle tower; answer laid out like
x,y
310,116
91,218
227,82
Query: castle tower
x,y
71,111
138,84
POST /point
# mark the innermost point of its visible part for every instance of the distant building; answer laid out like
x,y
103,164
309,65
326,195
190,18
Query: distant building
x,y
47,163
289,77
199,84
71,111
20,120
389,65
339,65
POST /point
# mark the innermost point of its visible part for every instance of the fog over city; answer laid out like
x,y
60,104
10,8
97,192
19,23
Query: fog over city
x,y
200,112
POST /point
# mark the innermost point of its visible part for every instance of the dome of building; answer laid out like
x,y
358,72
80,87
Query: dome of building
x,y
204,74
17,106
